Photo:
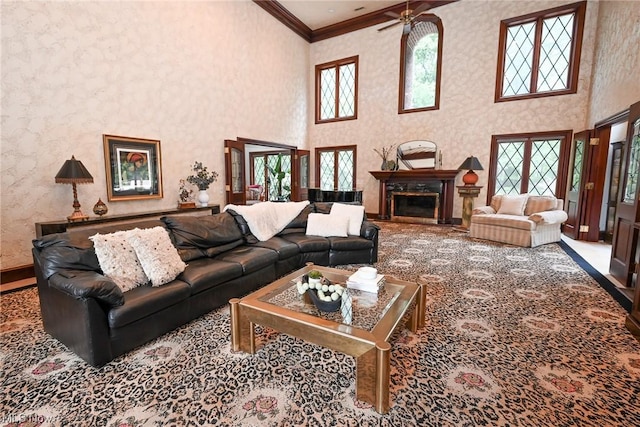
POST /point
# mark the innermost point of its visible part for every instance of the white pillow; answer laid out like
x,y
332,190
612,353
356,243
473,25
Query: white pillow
x,y
355,213
513,205
159,258
327,225
118,259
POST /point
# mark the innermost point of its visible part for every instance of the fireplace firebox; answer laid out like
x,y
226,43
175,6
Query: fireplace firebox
x,y
415,207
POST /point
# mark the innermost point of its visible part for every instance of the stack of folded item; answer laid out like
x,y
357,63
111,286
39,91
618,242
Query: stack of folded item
x,y
366,279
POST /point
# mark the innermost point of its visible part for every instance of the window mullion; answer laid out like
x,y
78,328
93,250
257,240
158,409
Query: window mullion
x,y
526,166
337,100
535,61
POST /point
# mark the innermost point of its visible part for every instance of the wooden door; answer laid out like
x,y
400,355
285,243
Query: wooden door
x,y
576,184
300,174
234,172
625,236
614,189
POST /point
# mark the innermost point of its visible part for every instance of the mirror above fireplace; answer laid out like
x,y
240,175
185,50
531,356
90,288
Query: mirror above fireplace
x,y
418,154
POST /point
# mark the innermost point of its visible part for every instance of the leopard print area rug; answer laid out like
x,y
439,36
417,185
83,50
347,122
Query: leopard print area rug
x,y
514,337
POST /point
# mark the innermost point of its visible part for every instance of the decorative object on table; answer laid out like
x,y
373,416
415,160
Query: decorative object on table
x,y
470,164
384,153
133,167
278,173
202,179
418,155
325,295
73,172
185,196
100,208
366,279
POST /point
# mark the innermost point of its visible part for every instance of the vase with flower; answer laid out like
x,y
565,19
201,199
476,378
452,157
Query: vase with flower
x,y
202,178
384,153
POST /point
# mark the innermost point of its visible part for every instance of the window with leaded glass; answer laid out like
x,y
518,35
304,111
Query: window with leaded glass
x,y
529,163
539,53
336,168
337,90
420,56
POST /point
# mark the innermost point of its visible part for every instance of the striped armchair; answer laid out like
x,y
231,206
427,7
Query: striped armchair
x,y
520,220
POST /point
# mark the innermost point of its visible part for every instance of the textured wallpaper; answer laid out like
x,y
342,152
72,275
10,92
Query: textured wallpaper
x,y
190,74
468,115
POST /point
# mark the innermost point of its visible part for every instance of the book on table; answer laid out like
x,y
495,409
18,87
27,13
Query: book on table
x,y
356,281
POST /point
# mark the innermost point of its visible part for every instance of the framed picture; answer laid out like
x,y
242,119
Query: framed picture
x,y
133,168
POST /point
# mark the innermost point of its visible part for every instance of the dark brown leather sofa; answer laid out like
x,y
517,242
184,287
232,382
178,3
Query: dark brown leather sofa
x,y
89,314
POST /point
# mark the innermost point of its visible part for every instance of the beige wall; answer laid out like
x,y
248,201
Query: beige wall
x,y
468,115
616,77
190,74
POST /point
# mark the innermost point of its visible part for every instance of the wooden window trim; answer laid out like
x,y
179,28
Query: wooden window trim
x,y
334,149
403,60
336,65
563,162
574,57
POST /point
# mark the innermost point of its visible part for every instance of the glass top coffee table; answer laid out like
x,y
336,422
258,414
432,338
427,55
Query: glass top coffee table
x,y
363,333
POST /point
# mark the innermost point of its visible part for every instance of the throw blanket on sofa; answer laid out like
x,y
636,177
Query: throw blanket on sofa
x,y
266,219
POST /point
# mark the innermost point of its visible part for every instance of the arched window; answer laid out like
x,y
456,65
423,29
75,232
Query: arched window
x,y
420,65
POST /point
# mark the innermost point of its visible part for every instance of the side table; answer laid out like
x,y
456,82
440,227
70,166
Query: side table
x,y
468,193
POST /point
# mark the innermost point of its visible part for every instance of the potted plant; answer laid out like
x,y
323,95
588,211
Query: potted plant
x,y
279,175
202,179
315,277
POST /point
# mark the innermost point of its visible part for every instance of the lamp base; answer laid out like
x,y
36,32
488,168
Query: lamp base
x,y
77,216
470,178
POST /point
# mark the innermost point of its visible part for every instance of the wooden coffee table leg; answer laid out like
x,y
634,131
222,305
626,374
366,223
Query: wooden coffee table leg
x,y
372,377
242,331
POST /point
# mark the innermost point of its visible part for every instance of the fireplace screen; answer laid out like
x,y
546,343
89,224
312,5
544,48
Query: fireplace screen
x,y
415,207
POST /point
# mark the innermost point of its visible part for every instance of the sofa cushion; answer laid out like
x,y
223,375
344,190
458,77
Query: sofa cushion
x,y
157,255
205,273
243,226
308,243
199,236
146,300
327,225
250,258
507,221
355,213
513,204
118,259
284,248
351,243
301,220
58,252
88,284
537,204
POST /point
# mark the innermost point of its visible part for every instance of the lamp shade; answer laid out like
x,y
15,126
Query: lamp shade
x,y
73,172
471,163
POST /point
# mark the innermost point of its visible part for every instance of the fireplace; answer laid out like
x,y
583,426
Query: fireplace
x,y
422,182
415,207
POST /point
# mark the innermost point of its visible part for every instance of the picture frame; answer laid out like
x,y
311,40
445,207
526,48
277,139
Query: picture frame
x,y
134,168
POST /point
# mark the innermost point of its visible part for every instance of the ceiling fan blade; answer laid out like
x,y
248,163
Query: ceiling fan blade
x,y
389,26
418,10
392,15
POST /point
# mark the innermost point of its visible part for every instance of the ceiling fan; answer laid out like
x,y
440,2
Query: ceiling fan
x,y
406,17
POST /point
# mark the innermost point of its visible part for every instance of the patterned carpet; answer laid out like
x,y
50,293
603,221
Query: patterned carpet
x,y
514,337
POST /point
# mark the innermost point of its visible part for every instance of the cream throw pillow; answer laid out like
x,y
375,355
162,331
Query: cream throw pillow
x,y
118,259
513,205
355,213
327,225
159,258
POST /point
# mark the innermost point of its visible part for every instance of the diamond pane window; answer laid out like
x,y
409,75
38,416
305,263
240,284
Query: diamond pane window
x,y
420,56
259,170
577,166
529,163
543,167
335,168
337,90
509,168
539,54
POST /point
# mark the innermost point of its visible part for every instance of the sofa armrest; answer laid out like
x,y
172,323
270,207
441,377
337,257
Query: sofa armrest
x,y
483,210
80,284
369,230
549,217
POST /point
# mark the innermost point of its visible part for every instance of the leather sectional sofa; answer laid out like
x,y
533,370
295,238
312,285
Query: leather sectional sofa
x,y
89,313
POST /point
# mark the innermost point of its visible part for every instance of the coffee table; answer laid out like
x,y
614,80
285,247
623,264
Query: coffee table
x,y
364,334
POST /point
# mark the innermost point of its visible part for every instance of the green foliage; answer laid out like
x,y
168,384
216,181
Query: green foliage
x,y
278,174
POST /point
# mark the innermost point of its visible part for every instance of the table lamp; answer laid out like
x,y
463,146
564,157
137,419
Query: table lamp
x,y
471,163
73,172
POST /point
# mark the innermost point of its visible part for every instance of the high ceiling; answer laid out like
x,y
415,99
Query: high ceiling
x,y
321,13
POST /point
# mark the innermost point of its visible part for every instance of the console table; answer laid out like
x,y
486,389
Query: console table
x,y
445,179
44,228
